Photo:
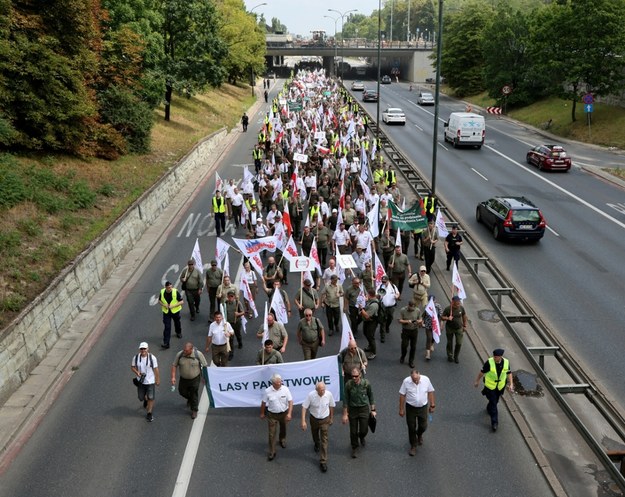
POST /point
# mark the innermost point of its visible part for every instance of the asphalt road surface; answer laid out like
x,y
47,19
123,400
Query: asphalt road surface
x,y
95,440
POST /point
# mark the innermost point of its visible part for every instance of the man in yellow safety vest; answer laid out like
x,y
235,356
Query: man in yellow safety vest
x,y
496,373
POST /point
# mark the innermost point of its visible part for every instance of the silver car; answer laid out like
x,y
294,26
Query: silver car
x,y
425,98
358,86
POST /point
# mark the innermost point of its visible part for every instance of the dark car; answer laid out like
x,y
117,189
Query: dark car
x,y
386,80
370,96
549,157
512,218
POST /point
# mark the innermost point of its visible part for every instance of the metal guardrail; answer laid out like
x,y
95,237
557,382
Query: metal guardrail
x,y
581,383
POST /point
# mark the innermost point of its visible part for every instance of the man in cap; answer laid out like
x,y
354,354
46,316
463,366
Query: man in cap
x,y
420,284
410,320
496,373
219,210
455,328
192,284
171,305
214,276
145,366
307,298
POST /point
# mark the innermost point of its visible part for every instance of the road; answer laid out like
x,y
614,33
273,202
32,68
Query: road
x,y
574,276
95,441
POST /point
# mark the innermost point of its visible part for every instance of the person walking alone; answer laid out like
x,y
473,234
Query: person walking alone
x,y
497,374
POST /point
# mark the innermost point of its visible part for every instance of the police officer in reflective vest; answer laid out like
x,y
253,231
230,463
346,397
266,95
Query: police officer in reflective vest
x,y
219,209
430,203
496,373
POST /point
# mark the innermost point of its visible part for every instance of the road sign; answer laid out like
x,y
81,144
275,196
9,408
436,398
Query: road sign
x,y
506,90
588,108
588,99
493,110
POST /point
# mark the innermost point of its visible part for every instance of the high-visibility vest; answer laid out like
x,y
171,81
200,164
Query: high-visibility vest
x,y
257,153
378,174
285,194
491,380
261,137
431,201
174,301
390,177
219,208
314,210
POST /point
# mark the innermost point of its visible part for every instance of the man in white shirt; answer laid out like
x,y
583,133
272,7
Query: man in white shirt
x,y
320,404
219,334
341,240
277,407
145,366
237,202
228,192
363,237
416,400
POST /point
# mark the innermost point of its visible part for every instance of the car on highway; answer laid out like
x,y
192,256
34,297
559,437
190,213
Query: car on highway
x,y
386,80
425,98
369,96
512,218
358,86
394,115
549,157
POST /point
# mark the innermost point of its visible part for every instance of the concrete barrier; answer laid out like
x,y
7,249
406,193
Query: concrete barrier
x,y
27,340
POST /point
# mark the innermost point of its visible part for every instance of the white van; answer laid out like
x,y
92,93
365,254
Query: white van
x,y
465,128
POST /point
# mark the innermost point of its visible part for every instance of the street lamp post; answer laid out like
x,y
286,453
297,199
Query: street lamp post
x,y
439,47
377,110
342,14
335,45
252,77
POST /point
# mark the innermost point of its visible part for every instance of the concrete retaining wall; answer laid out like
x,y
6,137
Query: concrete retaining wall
x,y
27,340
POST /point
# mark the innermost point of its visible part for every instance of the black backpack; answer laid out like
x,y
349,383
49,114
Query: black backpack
x,y
380,316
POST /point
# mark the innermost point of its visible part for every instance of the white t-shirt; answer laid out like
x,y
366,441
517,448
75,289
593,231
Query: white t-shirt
x,y
146,367
277,401
237,199
341,237
220,332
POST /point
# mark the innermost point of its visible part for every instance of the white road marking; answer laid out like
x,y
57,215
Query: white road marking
x,y
558,187
190,452
479,174
555,233
418,127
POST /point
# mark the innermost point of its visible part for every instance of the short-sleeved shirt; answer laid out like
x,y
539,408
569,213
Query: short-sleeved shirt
x,y
400,263
308,298
452,242
324,235
190,366
351,361
371,308
274,357
309,331
213,278
146,367
406,314
456,322
277,334
358,394
416,393
352,295
332,295
319,406
341,237
218,332
277,401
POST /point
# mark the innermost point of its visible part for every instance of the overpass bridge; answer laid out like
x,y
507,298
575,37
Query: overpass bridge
x,y
410,62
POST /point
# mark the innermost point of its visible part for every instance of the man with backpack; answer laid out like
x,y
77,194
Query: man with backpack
x,y
372,315
190,361
145,366
310,335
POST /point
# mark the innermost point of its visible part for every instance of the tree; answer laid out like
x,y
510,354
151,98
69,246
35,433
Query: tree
x,y
462,60
277,26
244,39
507,60
194,53
578,46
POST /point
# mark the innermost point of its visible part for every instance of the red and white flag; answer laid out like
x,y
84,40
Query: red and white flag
x,y
197,256
440,225
246,291
290,250
279,307
226,267
457,282
436,326
379,271
314,255
286,219
218,183
221,249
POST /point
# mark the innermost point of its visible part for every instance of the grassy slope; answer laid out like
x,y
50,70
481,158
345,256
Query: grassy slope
x,y
36,245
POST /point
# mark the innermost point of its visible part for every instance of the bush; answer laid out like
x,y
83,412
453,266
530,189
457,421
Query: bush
x,y
128,115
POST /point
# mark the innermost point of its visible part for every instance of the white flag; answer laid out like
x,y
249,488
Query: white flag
x,y
436,326
398,238
314,255
440,225
347,334
265,326
457,282
374,220
226,267
197,256
218,183
279,307
221,249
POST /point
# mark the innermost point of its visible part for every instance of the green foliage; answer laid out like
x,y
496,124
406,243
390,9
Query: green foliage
x,y
12,303
462,53
80,196
10,242
30,227
128,115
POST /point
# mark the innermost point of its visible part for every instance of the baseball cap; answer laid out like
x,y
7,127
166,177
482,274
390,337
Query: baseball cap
x,y
307,282
423,268
456,298
334,210
498,352
384,278
143,345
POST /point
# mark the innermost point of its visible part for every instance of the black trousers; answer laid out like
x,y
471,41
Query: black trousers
x,y
220,222
334,316
417,421
189,389
354,319
193,299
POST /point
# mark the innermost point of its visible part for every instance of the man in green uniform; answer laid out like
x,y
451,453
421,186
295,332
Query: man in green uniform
x,y
358,405
455,327
410,320
310,335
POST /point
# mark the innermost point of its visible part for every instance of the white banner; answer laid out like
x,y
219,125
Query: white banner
x,y
300,157
244,386
301,264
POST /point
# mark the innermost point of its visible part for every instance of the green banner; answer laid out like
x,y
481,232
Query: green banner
x,y
411,219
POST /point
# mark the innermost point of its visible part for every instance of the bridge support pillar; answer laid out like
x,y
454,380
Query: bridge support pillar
x,y
328,65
